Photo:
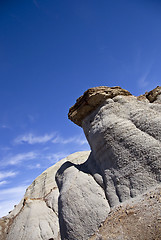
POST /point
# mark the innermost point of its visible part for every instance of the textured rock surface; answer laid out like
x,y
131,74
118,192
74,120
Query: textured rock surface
x,y
111,193
124,135
35,221
36,216
91,99
154,95
139,219
82,203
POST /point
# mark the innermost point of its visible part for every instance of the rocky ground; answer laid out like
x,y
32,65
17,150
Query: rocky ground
x,y
139,219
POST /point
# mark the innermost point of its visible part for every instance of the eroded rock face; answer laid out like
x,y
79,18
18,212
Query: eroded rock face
x,y
36,216
110,192
124,133
92,99
154,95
82,202
35,221
125,138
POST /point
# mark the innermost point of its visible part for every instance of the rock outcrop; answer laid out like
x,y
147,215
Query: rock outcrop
x,y
36,216
92,99
112,192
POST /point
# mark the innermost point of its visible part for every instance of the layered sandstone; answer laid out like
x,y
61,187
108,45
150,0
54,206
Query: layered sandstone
x,y
92,99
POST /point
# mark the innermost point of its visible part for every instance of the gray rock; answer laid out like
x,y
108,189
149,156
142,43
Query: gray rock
x,y
36,216
82,203
125,138
114,186
34,221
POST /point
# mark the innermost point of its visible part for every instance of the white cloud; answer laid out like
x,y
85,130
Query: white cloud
x,y
81,141
9,197
3,182
6,174
77,140
55,157
143,83
18,158
4,193
31,139
7,206
34,166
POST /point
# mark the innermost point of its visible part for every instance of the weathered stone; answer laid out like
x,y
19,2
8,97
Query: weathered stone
x,y
91,99
125,138
119,181
154,94
34,221
82,203
36,216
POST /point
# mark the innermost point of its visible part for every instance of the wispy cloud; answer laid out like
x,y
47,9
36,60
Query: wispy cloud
x,y
7,205
55,157
3,182
53,137
145,72
6,174
10,191
38,165
9,197
77,140
18,158
32,139
143,81
5,149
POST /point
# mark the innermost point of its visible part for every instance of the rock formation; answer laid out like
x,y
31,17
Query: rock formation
x,y
112,192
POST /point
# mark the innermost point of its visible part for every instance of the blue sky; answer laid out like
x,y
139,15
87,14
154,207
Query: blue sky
x,y
51,51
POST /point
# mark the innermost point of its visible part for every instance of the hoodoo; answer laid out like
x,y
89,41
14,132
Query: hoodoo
x,y
124,134
112,192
